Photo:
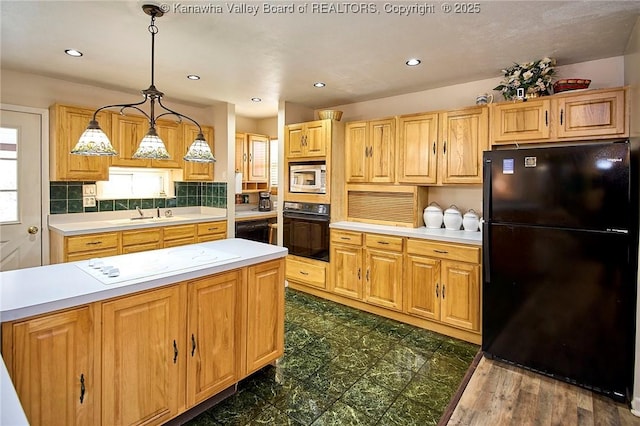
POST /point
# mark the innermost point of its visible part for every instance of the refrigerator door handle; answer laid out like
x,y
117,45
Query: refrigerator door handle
x,y
486,229
487,190
486,256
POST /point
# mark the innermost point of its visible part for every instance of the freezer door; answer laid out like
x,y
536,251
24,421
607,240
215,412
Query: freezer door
x,y
561,302
583,187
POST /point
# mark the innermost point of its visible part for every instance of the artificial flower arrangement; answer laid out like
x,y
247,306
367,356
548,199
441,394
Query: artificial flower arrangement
x,y
533,77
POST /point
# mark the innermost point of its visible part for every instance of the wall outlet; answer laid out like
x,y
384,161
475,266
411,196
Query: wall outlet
x,y
89,189
89,201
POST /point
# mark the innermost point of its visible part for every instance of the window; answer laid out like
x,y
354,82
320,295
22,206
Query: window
x,y
8,175
136,183
273,163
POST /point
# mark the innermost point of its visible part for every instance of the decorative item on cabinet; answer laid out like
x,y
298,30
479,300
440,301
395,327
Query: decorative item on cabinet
x,y
452,218
433,216
534,78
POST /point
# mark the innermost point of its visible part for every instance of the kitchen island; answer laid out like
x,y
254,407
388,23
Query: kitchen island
x,y
80,348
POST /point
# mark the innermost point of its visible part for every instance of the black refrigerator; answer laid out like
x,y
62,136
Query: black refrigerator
x,y
560,242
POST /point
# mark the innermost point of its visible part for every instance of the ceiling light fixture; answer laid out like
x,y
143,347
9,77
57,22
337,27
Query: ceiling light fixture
x,y
256,99
73,52
413,62
95,142
319,84
193,77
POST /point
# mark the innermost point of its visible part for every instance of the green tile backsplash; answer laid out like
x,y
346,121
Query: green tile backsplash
x,y
66,197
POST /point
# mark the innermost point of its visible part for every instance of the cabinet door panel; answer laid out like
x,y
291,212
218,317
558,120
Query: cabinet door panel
x,y
384,279
356,151
465,136
526,121
197,171
171,134
213,333
141,376
315,143
265,314
241,154
461,295
591,115
346,265
53,354
258,159
382,149
418,149
423,287
294,140
127,133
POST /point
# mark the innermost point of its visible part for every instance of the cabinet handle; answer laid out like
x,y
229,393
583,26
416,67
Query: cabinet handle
x,y
304,273
82,388
434,147
359,274
546,118
250,158
244,157
441,251
367,274
193,344
383,242
444,149
437,290
94,243
175,352
442,291
561,115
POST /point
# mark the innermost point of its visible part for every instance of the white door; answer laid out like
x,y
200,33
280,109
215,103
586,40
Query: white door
x,y
20,190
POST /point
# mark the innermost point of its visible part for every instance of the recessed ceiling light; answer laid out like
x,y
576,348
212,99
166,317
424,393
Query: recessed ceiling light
x,y
413,62
256,99
193,77
73,52
319,84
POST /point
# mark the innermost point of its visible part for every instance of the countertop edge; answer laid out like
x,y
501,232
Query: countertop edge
x,y
84,228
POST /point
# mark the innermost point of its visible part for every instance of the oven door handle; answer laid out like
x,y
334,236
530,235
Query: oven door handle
x,y
308,217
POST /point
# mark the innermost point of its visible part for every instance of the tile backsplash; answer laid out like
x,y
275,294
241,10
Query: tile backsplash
x,y
66,197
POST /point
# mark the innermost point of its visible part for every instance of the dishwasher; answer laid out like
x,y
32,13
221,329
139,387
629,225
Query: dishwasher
x,y
254,230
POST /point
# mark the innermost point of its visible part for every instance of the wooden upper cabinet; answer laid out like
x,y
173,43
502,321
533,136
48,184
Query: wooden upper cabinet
x,y
418,147
67,123
127,131
308,139
171,134
241,154
591,114
143,347
258,158
54,370
520,122
192,170
465,135
370,151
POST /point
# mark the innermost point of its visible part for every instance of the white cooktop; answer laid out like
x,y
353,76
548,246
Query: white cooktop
x,y
149,263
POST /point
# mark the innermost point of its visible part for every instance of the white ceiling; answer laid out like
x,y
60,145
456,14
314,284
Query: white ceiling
x,y
278,56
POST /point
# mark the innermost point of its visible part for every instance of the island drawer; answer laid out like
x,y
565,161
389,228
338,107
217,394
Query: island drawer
x,y
92,242
346,237
444,250
383,242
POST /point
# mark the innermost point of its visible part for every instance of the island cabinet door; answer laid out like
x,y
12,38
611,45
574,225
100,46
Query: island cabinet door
x,y
51,362
213,335
265,314
143,357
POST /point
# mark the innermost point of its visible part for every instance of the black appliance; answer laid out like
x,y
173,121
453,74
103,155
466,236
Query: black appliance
x,y
264,202
306,229
254,230
560,262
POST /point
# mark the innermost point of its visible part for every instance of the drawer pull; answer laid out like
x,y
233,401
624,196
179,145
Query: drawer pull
x,y
212,229
345,238
94,243
383,242
82,388
304,273
441,251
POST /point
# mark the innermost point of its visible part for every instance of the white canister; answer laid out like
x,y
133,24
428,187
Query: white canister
x,y
470,221
433,216
452,218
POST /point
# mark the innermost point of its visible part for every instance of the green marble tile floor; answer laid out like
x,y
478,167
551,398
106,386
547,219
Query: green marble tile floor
x,y
343,366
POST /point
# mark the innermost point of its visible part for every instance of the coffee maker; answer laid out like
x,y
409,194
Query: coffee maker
x,y
264,205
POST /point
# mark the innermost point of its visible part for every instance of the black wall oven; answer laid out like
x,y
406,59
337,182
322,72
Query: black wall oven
x,y
306,230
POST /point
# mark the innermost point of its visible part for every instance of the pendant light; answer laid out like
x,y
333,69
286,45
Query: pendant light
x,y
95,142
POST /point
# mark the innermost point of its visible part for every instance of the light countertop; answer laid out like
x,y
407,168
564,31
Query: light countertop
x,y
242,215
444,235
90,223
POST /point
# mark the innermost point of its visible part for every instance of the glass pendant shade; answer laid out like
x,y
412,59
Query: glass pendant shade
x,y
93,142
152,147
199,151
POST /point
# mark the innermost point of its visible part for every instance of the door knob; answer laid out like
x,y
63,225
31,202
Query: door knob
x,y
33,230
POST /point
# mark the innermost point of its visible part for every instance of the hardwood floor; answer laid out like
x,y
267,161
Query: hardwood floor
x,y
501,394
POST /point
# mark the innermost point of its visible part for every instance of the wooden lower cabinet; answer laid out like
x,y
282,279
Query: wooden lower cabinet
x,y
137,240
53,362
265,314
145,358
143,347
305,271
213,338
346,267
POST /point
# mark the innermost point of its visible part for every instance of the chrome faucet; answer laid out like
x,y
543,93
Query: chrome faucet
x,y
139,211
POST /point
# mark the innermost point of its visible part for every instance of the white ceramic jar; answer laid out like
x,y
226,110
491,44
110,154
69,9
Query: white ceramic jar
x,y
433,216
470,221
452,218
